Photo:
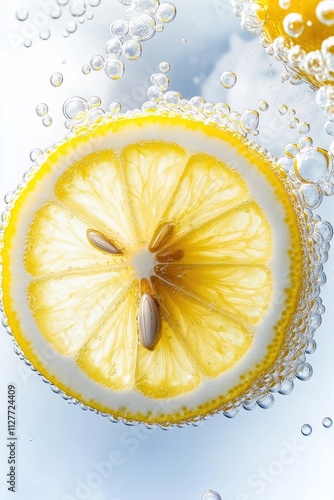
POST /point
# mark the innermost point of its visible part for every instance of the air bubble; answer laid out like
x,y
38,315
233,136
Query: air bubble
x,y
75,109
325,12
77,8
263,105
86,69
154,94
55,13
148,6
313,165
284,4
35,153
160,81
96,62
249,120
115,107
56,79
89,16
293,122
42,109
329,128
282,109
164,67
119,28
114,68
291,150
94,3
142,27
327,422
311,195
166,12
211,495
94,102
27,43
71,27
22,14
47,121
293,24
305,370
172,99
303,128
183,40
114,47
132,49
228,79
62,2
306,430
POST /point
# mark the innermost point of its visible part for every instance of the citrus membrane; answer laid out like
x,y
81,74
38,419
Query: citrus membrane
x,y
298,32
154,268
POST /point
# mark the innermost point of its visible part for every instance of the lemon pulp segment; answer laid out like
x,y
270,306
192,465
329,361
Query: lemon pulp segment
x,y
201,223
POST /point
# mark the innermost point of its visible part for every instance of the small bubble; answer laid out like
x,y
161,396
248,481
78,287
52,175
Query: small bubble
x,y
211,495
86,69
282,109
47,121
228,79
160,81
44,34
249,120
327,422
293,122
75,109
154,94
30,438
306,429
114,47
166,12
96,62
35,153
159,28
293,24
62,2
94,3
125,2
56,79
77,8
303,128
27,42
22,14
42,109
89,16
263,105
114,68
94,102
313,165
142,28
183,40
71,27
65,34
329,127
284,4
55,13
325,12
164,67
64,61
291,113
119,28
115,107
132,49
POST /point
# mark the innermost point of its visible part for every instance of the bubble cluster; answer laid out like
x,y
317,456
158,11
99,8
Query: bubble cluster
x,y
127,35
79,111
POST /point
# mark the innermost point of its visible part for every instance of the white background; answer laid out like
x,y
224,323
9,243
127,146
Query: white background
x,y
65,453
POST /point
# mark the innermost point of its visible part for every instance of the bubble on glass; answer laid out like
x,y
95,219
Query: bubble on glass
x,y
113,47
142,27
56,79
42,109
327,422
148,6
325,12
94,3
94,102
263,105
47,121
22,14
164,67
306,429
293,24
71,27
115,107
228,79
55,13
27,43
35,153
132,49
249,120
211,495
97,62
119,28
86,69
313,165
114,68
282,109
77,8
75,109
166,12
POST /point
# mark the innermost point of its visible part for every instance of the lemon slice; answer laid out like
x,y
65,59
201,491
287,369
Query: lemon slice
x,y
152,266
301,33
